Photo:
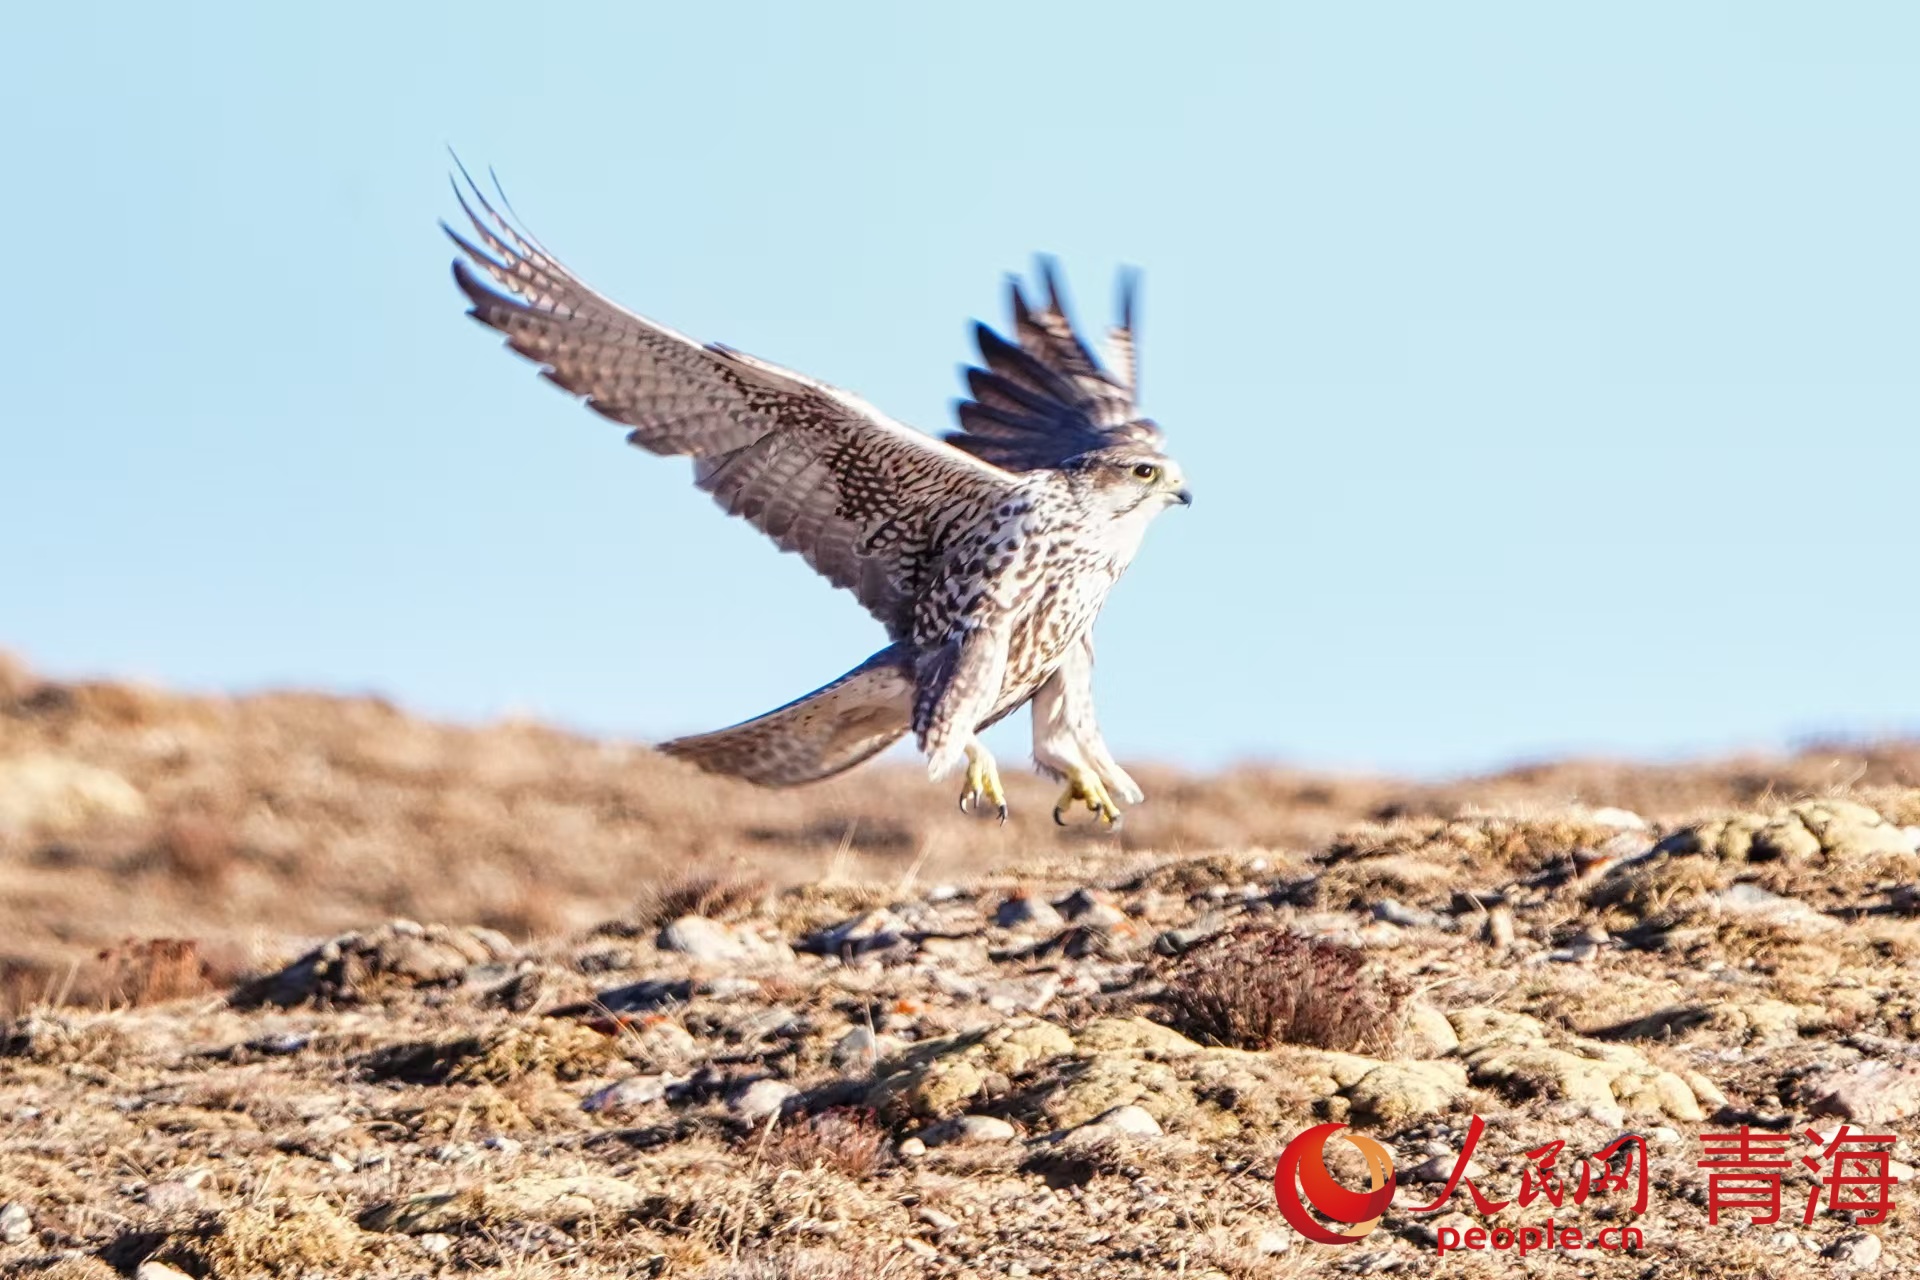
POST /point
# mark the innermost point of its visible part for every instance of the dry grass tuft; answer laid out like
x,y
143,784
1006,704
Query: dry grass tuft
x,y
715,897
1256,988
816,1264
554,1047
292,1240
848,1141
148,971
80,1268
195,849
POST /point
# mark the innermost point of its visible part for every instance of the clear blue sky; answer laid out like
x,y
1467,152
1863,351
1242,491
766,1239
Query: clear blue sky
x,y
1548,376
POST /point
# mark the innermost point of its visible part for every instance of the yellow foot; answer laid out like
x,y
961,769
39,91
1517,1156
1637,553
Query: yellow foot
x,y
983,785
1084,787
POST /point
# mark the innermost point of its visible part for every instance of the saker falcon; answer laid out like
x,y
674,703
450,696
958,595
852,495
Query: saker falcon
x,y
986,556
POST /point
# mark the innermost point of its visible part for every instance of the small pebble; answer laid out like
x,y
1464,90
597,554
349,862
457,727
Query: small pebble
x,y
760,1099
937,1220
1856,1249
629,1094
1026,912
962,1130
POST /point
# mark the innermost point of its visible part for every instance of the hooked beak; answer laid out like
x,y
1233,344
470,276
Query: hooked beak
x,y
1183,496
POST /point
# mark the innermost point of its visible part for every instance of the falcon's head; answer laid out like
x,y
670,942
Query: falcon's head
x,y
1129,480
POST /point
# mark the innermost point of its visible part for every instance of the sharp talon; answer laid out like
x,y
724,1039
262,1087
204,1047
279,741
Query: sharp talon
x,y
1087,789
983,787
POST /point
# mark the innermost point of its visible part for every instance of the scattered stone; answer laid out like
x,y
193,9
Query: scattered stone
x,y
861,1048
1393,1093
645,996
760,1099
965,1130
1272,1241
1855,1249
16,1224
1830,831
910,1148
937,1078
1090,908
174,1196
152,1270
1872,1093
761,1023
356,966
712,942
1024,911
1437,1169
1625,819
1497,929
279,1044
871,931
1428,1034
1521,1056
941,1222
1579,951
1133,1120
1753,902
1173,942
1390,911
630,1094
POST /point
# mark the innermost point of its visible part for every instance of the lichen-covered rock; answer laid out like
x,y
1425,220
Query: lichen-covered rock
x,y
1878,1093
1132,1035
1522,1057
1428,1034
1812,829
1395,1092
1091,1086
1758,1020
936,1079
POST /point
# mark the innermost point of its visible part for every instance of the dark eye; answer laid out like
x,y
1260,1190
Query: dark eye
x,y
1147,471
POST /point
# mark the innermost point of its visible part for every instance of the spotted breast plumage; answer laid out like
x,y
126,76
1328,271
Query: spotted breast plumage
x,y
986,555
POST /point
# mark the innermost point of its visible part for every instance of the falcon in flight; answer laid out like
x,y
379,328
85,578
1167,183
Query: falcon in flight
x,y
986,556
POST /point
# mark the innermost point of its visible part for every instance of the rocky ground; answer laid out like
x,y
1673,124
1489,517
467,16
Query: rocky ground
x,y
303,987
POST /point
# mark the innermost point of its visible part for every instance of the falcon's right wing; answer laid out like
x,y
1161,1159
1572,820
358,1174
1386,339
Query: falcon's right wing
x,y
1043,398
819,471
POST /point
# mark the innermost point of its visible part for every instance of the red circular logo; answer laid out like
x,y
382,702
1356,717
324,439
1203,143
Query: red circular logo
x,y
1302,1179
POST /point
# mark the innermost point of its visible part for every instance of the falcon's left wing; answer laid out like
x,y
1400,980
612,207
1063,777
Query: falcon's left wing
x,y
861,497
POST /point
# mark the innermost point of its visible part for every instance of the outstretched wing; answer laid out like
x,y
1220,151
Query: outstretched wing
x,y
860,496
1043,398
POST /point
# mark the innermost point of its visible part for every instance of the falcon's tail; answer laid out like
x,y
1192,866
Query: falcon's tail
x,y
828,731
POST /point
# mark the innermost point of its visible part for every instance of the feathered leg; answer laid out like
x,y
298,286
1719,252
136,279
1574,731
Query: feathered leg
x,y
1067,745
958,685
